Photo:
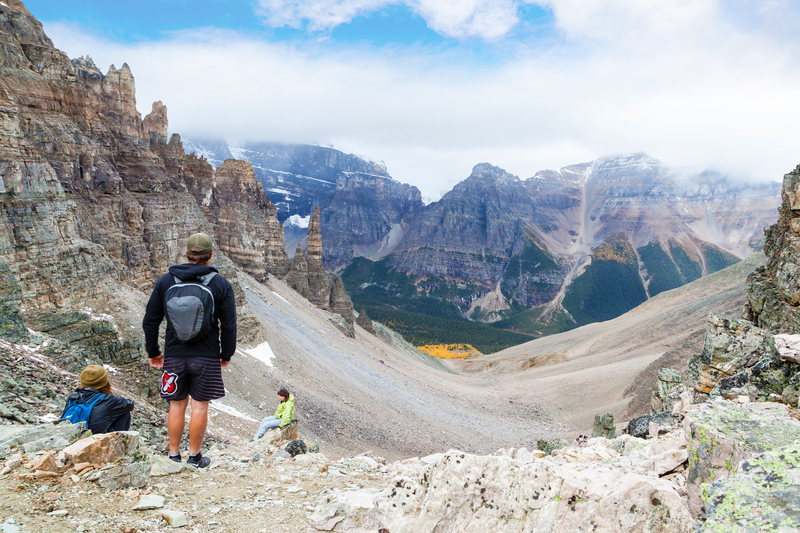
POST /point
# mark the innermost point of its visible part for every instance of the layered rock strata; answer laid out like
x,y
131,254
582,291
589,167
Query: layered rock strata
x,y
772,290
92,194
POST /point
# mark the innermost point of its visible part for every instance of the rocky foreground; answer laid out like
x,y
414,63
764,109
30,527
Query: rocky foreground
x,y
738,461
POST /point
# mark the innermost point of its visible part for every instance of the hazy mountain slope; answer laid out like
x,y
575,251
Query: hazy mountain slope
x,y
371,392
586,371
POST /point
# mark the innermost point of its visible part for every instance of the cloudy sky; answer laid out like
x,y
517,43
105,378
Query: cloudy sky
x,y
433,87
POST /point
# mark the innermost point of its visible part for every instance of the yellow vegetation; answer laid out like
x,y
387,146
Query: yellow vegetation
x,y
619,251
450,351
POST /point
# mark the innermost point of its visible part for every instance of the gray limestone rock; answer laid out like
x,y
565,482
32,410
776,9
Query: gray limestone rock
x,y
115,477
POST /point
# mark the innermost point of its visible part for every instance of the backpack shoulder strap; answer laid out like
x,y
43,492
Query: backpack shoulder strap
x,y
96,398
207,278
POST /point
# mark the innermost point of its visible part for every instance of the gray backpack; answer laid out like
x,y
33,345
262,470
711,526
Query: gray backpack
x,y
189,308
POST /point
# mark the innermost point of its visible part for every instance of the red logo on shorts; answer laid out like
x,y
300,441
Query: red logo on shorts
x,y
169,383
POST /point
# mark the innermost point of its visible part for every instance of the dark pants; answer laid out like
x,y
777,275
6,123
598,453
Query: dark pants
x,y
122,423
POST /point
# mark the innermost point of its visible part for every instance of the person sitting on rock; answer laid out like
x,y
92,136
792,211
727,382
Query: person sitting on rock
x,y
283,415
108,412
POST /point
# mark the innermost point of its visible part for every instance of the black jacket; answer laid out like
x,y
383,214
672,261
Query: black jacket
x,y
221,340
105,411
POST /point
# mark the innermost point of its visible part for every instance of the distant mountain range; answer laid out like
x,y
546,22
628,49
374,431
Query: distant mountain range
x,y
559,249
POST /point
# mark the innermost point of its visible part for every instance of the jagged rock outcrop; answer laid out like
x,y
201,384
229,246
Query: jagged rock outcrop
x,y
730,346
319,287
772,293
365,322
342,305
241,210
155,124
297,277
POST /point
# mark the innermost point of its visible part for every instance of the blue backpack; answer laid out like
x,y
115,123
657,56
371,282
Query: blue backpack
x,y
79,412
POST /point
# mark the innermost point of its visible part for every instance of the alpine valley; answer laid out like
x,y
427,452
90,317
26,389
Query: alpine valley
x,y
534,256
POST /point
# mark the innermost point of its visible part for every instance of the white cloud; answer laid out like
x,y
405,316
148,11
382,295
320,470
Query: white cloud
x,y
707,84
486,19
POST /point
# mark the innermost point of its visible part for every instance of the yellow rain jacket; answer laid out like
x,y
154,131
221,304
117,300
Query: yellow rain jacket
x,y
285,411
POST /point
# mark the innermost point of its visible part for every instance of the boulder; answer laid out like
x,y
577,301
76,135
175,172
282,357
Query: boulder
x,y
115,477
722,434
763,496
604,426
640,427
38,437
104,448
164,466
296,447
46,462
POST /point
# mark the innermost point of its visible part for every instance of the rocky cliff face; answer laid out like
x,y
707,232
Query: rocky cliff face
x,y
772,290
93,196
363,211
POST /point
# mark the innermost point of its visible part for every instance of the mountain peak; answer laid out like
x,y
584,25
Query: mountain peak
x,y
487,170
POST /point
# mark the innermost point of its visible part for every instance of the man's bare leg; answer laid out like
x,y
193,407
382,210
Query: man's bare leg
x,y
175,424
197,426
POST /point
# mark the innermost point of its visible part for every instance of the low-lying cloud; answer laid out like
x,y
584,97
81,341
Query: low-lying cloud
x,y
692,82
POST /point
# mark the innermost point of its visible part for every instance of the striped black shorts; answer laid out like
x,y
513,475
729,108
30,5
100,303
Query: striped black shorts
x,y
198,377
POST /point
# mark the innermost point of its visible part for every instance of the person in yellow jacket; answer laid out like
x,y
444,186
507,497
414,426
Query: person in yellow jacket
x,y
283,415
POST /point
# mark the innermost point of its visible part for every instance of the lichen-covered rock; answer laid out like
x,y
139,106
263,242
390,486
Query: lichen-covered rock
x,y
763,496
463,492
730,346
604,426
722,434
640,427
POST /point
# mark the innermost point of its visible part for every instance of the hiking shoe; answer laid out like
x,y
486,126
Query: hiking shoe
x,y
198,461
177,458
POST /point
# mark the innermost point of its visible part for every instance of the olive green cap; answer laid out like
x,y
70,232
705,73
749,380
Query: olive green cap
x,y
199,243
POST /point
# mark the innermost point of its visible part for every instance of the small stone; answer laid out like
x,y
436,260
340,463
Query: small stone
x,y
60,512
175,518
149,501
214,510
294,490
53,496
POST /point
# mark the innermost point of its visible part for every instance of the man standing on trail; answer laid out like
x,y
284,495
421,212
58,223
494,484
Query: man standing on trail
x,y
200,339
